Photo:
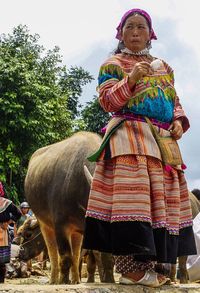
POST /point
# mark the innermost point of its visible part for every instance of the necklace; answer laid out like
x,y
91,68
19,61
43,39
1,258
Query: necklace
x,y
139,53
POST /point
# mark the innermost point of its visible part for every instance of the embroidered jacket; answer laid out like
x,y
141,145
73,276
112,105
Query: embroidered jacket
x,y
153,96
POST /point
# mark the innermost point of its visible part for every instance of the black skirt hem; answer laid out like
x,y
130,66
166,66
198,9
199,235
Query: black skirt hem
x,y
139,239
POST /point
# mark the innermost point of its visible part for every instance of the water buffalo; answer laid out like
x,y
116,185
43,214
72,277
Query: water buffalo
x,y
57,190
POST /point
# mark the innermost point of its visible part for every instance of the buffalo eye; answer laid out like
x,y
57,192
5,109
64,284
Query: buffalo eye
x,y
27,235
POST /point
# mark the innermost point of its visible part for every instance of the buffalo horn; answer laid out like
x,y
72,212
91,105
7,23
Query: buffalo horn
x,y
33,224
88,175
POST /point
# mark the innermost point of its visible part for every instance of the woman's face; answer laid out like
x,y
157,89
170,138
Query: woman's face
x,y
135,33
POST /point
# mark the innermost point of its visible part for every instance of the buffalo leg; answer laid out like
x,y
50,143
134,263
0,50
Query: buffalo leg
x,y
98,261
173,273
107,265
182,269
76,240
50,240
65,253
91,267
45,258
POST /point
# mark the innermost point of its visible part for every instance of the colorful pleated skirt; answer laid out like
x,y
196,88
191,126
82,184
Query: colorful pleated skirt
x,y
136,207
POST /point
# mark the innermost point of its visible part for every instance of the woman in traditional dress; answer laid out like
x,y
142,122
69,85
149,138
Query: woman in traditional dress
x,y
8,212
138,207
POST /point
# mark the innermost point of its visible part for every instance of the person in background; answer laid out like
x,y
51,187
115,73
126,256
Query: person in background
x,y
8,213
24,207
138,207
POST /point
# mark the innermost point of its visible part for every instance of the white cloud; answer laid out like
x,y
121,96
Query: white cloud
x,y
193,183
72,25
75,25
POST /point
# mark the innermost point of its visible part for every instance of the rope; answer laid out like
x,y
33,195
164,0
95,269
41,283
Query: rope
x,y
30,239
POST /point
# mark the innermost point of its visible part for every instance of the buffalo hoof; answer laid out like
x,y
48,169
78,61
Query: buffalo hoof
x,y
75,282
108,278
184,281
53,282
65,281
90,280
183,276
69,282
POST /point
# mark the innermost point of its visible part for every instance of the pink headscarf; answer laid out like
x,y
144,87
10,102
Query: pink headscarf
x,y
127,14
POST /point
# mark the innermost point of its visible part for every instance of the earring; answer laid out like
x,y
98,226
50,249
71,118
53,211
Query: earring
x,y
121,45
149,44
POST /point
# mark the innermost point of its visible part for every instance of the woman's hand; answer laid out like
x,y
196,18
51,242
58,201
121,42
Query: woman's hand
x,y
139,70
176,129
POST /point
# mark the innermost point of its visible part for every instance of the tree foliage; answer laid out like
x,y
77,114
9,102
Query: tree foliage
x,y
73,81
94,117
38,98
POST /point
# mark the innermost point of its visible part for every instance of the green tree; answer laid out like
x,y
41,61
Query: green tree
x,y
35,91
94,117
73,80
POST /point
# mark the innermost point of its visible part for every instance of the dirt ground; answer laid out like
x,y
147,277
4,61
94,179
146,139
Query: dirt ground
x,y
39,277
39,282
33,279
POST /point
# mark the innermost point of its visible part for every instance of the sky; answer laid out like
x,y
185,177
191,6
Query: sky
x,y
84,30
